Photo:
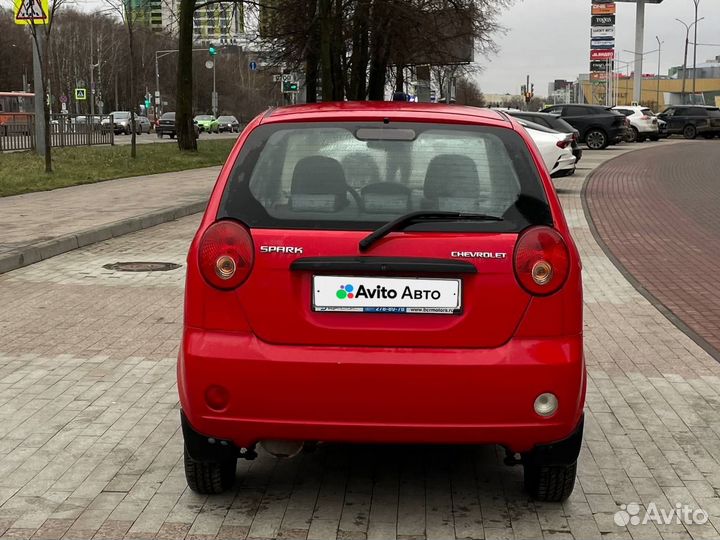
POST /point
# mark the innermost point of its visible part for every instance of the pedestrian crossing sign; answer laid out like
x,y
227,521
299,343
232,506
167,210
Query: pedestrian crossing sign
x,y
32,11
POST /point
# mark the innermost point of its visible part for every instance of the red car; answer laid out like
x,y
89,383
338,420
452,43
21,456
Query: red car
x,y
383,273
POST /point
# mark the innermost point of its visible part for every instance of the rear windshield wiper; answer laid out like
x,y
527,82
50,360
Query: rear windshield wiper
x,y
420,216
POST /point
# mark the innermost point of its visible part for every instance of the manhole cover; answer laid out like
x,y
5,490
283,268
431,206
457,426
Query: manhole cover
x,y
141,266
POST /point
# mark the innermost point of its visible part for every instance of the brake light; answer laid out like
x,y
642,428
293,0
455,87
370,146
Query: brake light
x,y
225,255
541,260
563,144
645,117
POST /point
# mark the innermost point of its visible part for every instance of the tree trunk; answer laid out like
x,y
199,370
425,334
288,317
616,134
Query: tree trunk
x,y
311,53
131,77
326,49
183,116
44,75
359,56
379,49
337,51
400,78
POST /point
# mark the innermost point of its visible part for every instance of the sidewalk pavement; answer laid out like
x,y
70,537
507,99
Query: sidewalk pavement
x,y
36,226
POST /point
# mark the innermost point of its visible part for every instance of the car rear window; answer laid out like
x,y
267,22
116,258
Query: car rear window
x,y
339,176
168,116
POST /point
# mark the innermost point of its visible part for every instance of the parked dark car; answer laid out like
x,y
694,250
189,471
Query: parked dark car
x,y
166,126
554,122
692,120
599,126
229,123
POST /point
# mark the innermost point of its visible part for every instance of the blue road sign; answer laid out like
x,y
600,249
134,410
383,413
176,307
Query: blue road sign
x,y
253,66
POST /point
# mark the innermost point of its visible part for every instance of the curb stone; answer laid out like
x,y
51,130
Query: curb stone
x,y
40,251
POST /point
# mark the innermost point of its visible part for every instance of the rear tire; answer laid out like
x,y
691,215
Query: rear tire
x,y
596,139
631,135
550,483
689,131
209,477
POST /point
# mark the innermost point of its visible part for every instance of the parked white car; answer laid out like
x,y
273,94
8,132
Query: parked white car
x,y
643,123
555,147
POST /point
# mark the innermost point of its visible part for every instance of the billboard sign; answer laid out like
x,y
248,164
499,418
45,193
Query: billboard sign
x,y
602,20
600,65
602,32
598,76
603,9
602,54
597,44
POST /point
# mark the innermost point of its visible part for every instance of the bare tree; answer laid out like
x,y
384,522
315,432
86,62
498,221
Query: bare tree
x,y
41,34
468,93
15,56
131,12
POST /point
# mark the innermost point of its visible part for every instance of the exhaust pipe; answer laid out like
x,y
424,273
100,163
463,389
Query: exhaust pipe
x,y
282,449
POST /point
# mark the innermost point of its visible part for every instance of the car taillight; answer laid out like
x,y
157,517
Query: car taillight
x,y
541,260
645,117
225,255
563,144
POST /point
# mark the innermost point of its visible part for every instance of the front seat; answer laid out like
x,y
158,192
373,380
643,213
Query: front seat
x,y
318,185
452,183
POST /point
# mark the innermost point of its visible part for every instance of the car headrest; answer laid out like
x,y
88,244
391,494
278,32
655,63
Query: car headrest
x,y
318,184
452,176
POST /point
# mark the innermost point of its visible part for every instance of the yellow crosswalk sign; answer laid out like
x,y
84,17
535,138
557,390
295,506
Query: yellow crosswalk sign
x,y
32,11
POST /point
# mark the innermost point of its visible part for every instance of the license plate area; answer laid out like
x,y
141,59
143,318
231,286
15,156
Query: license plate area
x,y
402,295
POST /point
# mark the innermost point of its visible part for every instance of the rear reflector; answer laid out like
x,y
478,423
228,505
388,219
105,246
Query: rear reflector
x,y
225,255
541,260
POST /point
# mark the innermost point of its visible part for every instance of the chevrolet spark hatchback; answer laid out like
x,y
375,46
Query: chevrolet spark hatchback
x,y
383,273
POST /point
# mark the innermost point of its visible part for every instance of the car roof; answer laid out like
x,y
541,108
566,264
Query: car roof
x,y
369,110
536,113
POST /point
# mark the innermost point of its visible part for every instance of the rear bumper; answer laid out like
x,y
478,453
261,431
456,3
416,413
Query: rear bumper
x,y
381,395
564,166
646,127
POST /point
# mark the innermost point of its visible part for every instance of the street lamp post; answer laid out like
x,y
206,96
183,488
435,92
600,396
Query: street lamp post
x,y
657,99
158,104
160,54
687,42
697,3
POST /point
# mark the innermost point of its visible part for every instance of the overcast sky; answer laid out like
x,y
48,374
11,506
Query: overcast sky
x,y
550,39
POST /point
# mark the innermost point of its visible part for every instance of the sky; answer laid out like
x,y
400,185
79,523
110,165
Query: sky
x,y
550,39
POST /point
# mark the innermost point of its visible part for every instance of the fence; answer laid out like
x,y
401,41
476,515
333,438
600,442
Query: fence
x,y
17,131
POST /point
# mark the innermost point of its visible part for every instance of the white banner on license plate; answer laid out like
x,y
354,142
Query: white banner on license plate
x,y
386,295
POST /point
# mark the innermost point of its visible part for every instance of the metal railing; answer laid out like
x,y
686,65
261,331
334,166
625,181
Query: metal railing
x,y
17,131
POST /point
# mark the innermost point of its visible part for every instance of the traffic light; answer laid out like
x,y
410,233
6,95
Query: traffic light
x,y
212,51
290,86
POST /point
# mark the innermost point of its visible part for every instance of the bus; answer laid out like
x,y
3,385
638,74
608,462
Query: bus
x,y
16,112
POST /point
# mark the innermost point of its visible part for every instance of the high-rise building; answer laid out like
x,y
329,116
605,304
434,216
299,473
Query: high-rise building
x,y
219,23
147,13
